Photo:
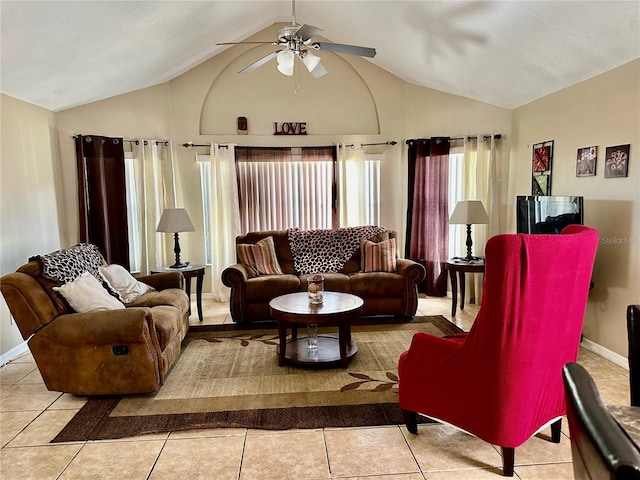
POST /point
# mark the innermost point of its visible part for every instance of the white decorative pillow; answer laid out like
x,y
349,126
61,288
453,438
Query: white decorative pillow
x,y
85,294
125,284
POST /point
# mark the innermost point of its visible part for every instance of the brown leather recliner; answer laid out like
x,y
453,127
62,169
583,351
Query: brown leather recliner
x,y
111,352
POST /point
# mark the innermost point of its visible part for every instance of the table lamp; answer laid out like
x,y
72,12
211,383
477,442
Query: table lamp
x,y
175,220
468,212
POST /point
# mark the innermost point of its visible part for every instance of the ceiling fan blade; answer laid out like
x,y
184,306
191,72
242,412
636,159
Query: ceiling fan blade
x,y
341,48
240,43
259,63
307,31
319,71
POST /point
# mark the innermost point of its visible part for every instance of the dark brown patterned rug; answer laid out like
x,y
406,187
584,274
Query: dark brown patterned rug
x,y
232,379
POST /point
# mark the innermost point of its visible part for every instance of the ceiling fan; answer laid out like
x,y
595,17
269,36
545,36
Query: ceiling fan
x,y
296,41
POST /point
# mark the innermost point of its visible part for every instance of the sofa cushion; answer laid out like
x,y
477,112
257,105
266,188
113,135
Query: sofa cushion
x,y
378,257
333,282
259,258
266,287
85,294
169,296
377,285
125,284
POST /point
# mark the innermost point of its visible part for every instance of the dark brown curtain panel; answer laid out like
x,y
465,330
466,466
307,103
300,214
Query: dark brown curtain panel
x,y
428,209
102,198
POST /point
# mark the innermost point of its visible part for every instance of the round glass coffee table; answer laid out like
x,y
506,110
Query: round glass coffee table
x,y
336,310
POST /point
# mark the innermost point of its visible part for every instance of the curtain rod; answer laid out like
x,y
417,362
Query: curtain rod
x,y
146,142
137,142
352,145
192,145
497,136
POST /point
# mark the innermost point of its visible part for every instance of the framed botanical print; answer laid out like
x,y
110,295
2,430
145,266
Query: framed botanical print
x,y
616,161
586,161
542,157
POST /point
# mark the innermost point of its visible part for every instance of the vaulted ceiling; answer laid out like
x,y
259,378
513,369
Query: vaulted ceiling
x,y
61,54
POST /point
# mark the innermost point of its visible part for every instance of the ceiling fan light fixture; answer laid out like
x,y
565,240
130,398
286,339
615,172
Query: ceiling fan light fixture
x,y
285,60
310,60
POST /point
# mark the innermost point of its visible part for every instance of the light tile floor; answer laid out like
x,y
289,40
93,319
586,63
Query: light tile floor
x,y
30,416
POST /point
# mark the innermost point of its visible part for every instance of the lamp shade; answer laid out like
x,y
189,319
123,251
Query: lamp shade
x,y
469,212
285,61
175,220
310,60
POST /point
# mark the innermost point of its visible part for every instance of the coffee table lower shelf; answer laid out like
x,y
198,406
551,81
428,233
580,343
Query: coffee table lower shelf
x,y
326,355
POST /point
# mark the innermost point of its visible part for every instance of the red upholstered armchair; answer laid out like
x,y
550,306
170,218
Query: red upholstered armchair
x,y
502,381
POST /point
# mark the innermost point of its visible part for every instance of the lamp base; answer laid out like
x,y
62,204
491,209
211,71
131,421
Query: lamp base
x,y
468,258
180,265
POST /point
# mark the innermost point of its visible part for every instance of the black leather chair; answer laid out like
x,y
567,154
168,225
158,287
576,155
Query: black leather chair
x,y
600,448
633,334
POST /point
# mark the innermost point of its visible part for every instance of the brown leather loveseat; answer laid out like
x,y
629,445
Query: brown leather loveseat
x,y
121,351
384,293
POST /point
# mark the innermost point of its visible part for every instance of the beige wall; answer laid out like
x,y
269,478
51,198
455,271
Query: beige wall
x,y
602,111
29,183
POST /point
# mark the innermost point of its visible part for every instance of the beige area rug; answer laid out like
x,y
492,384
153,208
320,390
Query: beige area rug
x,y
232,379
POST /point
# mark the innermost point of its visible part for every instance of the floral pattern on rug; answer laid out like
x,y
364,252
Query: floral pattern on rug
x,y
382,385
245,339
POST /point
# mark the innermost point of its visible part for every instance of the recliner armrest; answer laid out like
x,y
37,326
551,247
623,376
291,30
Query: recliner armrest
x,y
101,328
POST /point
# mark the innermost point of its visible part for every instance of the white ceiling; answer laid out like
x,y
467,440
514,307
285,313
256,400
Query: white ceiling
x,y
61,54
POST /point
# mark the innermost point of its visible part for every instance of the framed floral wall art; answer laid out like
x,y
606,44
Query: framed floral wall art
x,y
616,161
586,161
542,157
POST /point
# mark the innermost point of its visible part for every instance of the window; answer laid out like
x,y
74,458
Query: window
x,y
281,188
204,161
133,220
456,171
372,188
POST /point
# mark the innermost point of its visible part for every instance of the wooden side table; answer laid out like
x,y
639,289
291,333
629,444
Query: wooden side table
x,y
461,266
188,273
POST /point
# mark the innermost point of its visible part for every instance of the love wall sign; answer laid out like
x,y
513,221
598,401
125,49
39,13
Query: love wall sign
x,y
290,128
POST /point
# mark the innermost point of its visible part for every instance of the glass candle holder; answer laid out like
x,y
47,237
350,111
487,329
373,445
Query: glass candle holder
x,y
315,289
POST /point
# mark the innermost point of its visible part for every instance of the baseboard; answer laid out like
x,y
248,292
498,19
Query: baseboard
x,y
14,353
605,353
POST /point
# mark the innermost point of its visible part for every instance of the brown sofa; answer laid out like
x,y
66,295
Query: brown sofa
x,y
383,293
109,352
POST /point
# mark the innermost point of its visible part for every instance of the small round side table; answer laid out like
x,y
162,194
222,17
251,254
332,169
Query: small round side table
x,y
188,273
461,266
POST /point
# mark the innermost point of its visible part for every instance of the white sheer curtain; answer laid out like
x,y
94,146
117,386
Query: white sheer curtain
x,y
155,190
351,181
480,182
224,216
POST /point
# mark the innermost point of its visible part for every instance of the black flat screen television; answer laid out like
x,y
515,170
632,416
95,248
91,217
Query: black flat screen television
x,y
548,214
